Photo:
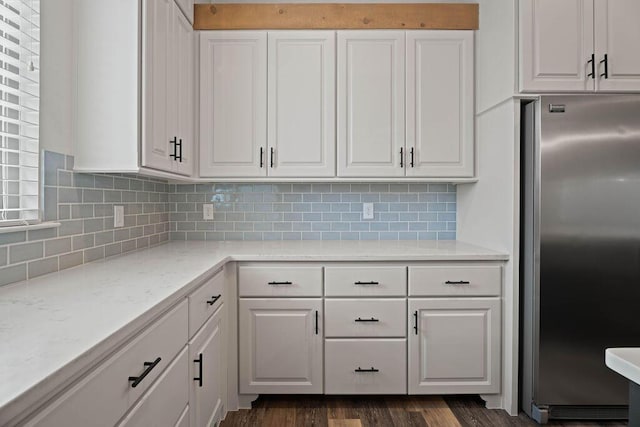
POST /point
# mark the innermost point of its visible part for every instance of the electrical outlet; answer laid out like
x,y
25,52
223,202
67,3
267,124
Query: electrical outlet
x,y
367,211
207,211
118,216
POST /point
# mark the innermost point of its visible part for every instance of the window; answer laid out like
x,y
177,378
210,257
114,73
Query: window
x,y
19,105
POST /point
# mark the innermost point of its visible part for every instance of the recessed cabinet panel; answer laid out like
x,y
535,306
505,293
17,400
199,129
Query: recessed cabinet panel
x,y
617,34
280,345
440,114
456,346
160,92
301,103
233,103
370,103
556,45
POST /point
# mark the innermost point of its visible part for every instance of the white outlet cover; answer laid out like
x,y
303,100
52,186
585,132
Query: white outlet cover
x,y
367,211
118,216
207,211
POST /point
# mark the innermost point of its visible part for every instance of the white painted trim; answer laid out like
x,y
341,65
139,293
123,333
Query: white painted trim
x,y
28,227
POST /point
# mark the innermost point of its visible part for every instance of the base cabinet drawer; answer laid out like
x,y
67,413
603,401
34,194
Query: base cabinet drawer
x,y
204,301
377,317
280,281
455,280
365,366
365,280
106,393
164,404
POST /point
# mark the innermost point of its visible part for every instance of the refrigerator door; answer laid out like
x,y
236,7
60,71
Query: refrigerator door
x,y
589,246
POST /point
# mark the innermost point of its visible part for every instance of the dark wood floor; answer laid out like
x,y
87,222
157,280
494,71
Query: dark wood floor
x,y
381,411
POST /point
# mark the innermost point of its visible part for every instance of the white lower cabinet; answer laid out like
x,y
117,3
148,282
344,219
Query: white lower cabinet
x,y
454,345
166,400
280,344
366,366
208,371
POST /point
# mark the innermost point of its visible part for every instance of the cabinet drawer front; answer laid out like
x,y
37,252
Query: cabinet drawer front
x,y
105,394
366,366
204,301
165,403
455,280
363,280
366,318
280,280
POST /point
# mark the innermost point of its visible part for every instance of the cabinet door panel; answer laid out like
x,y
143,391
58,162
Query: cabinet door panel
x,y
302,103
440,114
233,103
556,41
617,34
457,346
206,354
280,347
370,103
183,62
158,100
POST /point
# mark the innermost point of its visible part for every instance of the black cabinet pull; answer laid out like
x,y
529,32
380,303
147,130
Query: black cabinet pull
x,y
401,157
592,61
261,157
271,159
149,366
457,282
180,147
199,377
174,142
365,283
373,319
280,283
415,326
367,370
316,322
213,300
606,66
411,152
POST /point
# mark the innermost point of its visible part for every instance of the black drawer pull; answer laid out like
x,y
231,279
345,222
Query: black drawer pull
x,y
280,283
149,367
367,370
458,282
199,377
366,283
213,300
373,319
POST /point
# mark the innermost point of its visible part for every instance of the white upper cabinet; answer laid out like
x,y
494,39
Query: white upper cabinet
x,y
371,97
142,56
579,45
233,103
440,113
301,108
617,35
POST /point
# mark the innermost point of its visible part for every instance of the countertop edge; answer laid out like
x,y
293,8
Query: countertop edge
x,y
622,366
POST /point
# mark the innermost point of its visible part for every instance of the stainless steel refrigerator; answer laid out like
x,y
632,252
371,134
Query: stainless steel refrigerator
x,y
580,252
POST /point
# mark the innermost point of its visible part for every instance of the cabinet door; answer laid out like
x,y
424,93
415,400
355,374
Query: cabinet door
x,y
370,103
280,345
617,34
456,346
206,355
440,113
301,103
233,103
184,64
556,43
158,98
166,400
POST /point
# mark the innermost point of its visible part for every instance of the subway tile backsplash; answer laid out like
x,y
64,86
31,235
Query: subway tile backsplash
x,y
413,211
157,211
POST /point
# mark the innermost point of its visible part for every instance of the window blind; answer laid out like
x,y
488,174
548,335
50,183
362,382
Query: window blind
x,y
19,106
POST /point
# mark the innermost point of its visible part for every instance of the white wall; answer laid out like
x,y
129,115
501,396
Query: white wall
x,y
56,76
488,210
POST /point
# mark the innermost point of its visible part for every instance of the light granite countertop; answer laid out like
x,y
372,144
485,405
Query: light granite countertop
x,y
54,327
625,361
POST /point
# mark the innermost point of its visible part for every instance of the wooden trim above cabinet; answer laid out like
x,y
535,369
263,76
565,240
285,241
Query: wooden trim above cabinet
x,y
315,16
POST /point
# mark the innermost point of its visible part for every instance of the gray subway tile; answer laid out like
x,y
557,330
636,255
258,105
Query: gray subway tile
x,y
12,274
93,254
57,246
69,195
25,252
42,267
50,203
83,241
70,260
41,234
4,256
